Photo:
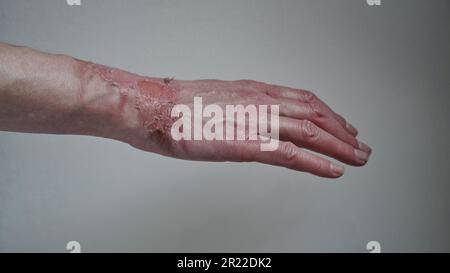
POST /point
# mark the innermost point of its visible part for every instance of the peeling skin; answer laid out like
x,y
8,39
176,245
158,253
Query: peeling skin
x,y
150,100
154,102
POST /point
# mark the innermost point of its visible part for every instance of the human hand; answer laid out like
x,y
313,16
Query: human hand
x,y
305,123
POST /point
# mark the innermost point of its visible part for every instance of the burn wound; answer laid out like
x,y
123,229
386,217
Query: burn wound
x,y
154,99
154,102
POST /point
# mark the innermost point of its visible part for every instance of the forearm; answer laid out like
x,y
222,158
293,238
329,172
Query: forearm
x,y
45,93
40,93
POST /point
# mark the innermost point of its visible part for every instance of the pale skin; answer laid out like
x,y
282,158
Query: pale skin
x,y
58,94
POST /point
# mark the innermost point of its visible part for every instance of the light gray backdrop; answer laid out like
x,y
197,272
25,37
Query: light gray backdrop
x,y
385,68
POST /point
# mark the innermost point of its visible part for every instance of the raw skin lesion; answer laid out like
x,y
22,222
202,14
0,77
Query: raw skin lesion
x,y
155,100
151,99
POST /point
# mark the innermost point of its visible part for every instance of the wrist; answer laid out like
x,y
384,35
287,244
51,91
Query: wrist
x,y
104,107
124,106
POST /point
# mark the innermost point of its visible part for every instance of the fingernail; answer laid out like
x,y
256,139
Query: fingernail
x,y
351,128
361,155
364,147
337,170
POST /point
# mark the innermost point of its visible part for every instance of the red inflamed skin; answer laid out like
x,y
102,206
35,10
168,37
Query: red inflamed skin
x,y
45,93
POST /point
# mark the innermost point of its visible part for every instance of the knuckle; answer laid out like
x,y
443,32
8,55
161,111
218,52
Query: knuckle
x,y
316,108
317,111
288,150
309,130
322,166
308,96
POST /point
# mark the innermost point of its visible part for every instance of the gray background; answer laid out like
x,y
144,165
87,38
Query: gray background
x,y
385,68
